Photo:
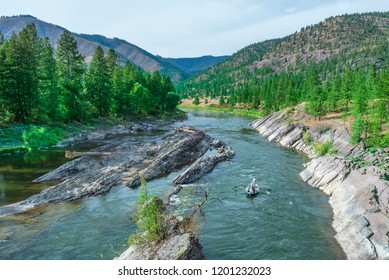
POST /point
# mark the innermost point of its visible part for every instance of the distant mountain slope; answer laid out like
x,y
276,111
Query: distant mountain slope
x,y
137,56
334,43
88,43
221,77
194,65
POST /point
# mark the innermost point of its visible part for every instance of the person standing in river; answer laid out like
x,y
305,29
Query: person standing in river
x,y
253,184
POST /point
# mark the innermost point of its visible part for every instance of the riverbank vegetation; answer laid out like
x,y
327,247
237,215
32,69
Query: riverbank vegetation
x,y
44,86
239,112
149,218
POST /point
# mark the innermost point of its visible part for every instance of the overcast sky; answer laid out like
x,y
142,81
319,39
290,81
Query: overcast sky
x,y
188,28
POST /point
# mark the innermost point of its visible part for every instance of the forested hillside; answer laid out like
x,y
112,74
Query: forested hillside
x,y
177,69
39,84
87,45
338,65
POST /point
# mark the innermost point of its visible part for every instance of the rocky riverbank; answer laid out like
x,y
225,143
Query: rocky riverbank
x,y
355,178
124,162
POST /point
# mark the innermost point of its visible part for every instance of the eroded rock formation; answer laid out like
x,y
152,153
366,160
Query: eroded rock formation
x,y
355,178
124,162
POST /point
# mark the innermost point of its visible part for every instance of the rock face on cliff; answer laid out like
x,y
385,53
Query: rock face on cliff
x,y
358,188
125,163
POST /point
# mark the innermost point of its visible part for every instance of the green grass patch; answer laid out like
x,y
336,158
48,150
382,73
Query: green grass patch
x,y
325,148
306,137
373,150
214,108
11,138
41,137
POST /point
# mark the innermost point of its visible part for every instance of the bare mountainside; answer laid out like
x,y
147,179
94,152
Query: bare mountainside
x,y
127,52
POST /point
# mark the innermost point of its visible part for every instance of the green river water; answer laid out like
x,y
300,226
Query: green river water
x,y
287,220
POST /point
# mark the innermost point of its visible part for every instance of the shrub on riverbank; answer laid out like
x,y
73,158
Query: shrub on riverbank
x,y
149,218
39,136
325,148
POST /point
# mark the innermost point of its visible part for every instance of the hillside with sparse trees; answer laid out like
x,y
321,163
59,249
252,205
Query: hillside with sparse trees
x,y
339,65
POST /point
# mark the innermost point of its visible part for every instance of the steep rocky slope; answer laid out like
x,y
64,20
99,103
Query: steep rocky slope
x,y
355,178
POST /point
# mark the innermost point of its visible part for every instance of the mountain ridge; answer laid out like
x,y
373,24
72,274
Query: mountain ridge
x,y
195,65
87,44
354,39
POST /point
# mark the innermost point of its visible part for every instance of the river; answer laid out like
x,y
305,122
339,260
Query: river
x,y
287,220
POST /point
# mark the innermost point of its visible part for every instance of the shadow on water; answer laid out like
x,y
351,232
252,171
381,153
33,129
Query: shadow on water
x,y
17,171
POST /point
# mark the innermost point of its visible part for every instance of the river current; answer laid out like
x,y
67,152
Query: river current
x,y
287,220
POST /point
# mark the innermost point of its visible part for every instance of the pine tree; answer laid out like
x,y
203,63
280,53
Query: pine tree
x,y
196,100
142,101
316,97
346,91
358,128
221,101
167,89
154,86
360,94
21,73
4,110
112,61
71,68
232,100
333,96
383,97
121,103
98,83
48,84
172,101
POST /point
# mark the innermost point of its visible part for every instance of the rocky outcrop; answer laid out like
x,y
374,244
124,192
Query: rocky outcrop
x,y
125,163
354,178
205,163
177,242
180,246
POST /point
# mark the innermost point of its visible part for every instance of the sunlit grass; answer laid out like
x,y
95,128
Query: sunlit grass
x,y
238,112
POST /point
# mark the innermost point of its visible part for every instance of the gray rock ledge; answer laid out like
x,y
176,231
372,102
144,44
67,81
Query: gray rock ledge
x,y
126,163
358,190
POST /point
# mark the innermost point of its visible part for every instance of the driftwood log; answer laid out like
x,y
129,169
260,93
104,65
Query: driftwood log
x,y
73,154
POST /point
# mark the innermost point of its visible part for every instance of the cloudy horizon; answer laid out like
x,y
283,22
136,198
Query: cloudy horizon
x,y
189,28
